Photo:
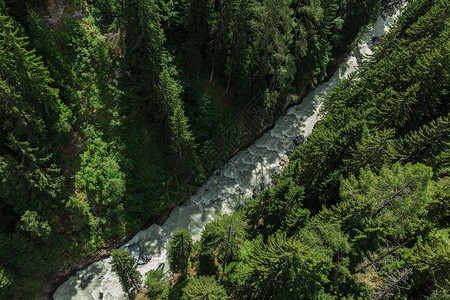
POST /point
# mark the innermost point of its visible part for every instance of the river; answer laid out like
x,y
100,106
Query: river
x,y
226,190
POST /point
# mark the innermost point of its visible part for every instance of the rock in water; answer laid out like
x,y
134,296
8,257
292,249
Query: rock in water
x,y
298,140
376,40
143,259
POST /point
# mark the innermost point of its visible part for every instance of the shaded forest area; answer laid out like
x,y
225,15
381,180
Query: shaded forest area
x,y
113,110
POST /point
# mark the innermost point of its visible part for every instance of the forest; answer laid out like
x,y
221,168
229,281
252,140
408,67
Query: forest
x,y
112,112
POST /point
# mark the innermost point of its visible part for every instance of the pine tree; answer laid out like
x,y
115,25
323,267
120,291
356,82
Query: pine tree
x,y
144,42
204,288
198,19
5,282
240,54
130,278
424,144
273,28
391,203
375,149
286,269
182,140
279,207
180,251
224,235
156,283
218,48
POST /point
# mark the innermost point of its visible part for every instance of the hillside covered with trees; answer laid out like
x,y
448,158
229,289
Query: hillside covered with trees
x,y
112,112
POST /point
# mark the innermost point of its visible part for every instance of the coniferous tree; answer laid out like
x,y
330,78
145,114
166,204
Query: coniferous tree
x,y
285,268
123,264
156,283
204,288
424,144
224,235
391,203
279,208
198,18
33,125
238,63
180,251
144,41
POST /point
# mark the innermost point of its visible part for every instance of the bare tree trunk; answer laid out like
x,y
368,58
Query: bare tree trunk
x,y
378,259
392,284
212,73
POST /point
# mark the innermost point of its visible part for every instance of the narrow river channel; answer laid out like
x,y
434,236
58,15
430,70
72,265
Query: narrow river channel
x,y
226,190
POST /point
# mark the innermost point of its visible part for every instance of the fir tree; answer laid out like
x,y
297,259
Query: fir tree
x,y
130,278
204,288
286,269
180,251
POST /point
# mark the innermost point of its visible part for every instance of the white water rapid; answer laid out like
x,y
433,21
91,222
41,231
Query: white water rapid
x,y
225,191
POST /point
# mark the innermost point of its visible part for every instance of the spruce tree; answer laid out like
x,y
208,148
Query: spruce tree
x,y
180,251
144,47
123,265
224,235
204,288
286,269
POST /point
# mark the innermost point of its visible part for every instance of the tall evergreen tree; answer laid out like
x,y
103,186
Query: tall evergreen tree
x,y
144,46
204,288
129,277
286,269
180,251
224,235
33,125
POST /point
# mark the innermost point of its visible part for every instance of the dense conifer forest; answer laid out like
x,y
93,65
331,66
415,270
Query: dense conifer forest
x,y
112,112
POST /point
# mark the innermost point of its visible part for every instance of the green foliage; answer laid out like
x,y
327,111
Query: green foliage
x,y
430,260
31,223
143,49
439,208
439,294
285,268
279,207
33,124
156,284
180,251
5,282
204,288
396,198
224,235
123,264
126,77
101,184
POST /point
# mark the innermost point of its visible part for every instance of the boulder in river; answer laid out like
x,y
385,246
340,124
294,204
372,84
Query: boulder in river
x,y
143,259
140,257
284,160
298,140
134,251
84,282
376,40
